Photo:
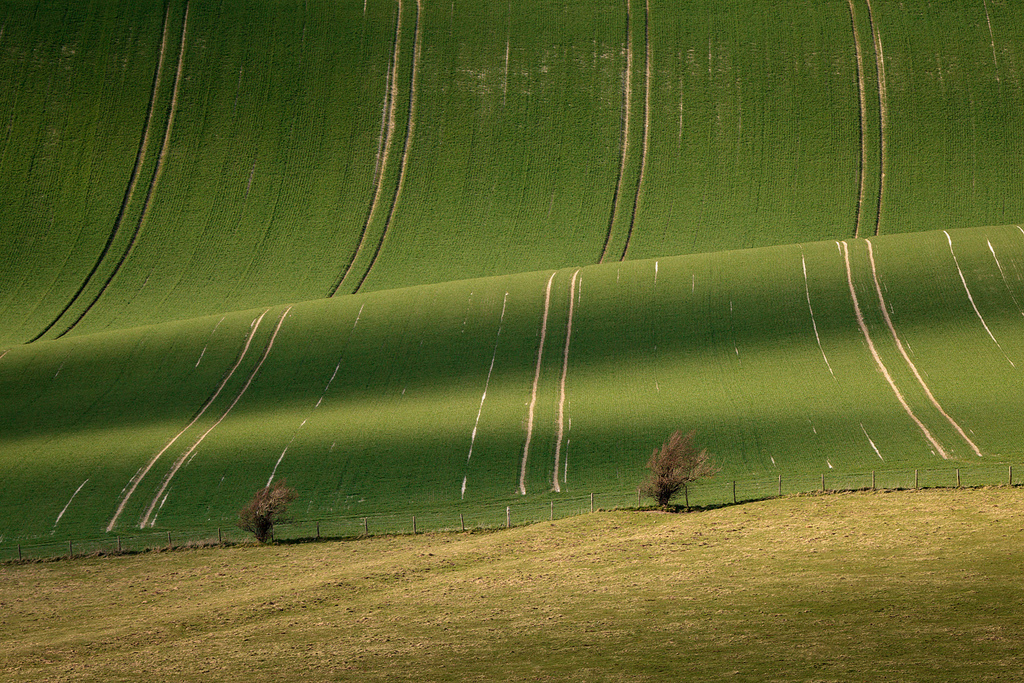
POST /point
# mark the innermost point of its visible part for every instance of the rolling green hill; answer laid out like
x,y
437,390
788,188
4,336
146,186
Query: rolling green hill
x,y
418,256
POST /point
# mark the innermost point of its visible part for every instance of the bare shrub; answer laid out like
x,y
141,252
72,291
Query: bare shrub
x,y
674,465
265,509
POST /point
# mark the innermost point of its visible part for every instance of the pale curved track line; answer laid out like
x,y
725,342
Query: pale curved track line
x,y
410,128
861,121
181,459
384,141
1006,283
483,397
807,290
157,172
57,521
142,472
971,298
140,158
647,126
561,383
536,381
878,359
906,356
883,113
627,97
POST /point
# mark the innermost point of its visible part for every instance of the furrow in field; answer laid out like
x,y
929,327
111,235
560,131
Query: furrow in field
x,y
157,171
883,114
971,298
483,397
57,521
627,98
878,360
133,179
646,127
861,121
807,290
536,381
906,356
181,459
410,127
384,145
143,471
561,382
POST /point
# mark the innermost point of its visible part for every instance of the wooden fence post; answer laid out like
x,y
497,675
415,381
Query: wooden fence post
x,y
1011,475
169,546
958,477
414,524
366,528
318,529
734,491
591,503
220,537
780,484
915,479
19,551
686,495
872,480
822,482
508,517
462,520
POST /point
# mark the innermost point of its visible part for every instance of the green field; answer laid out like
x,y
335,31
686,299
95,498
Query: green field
x,y
921,586
427,258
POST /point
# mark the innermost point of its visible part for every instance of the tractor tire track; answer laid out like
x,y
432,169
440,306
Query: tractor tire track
x,y
384,145
878,359
627,98
971,298
861,122
883,114
906,356
483,397
142,472
561,384
646,128
410,128
157,172
184,456
140,159
536,381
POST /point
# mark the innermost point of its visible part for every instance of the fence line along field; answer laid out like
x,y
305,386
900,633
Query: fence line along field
x,y
413,254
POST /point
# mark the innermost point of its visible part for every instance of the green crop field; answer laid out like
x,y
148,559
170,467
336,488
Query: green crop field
x,y
466,260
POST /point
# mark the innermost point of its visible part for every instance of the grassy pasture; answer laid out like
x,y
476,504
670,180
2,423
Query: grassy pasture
x,y
917,586
375,404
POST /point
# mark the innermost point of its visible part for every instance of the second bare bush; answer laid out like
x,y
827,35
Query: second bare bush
x,y
674,465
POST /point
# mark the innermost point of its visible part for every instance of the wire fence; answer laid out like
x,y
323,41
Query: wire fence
x,y
709,493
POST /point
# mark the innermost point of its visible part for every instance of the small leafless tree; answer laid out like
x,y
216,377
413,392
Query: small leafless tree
x,y
265,509
672,467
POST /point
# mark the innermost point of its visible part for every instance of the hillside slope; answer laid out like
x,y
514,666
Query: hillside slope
x,y
414,255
